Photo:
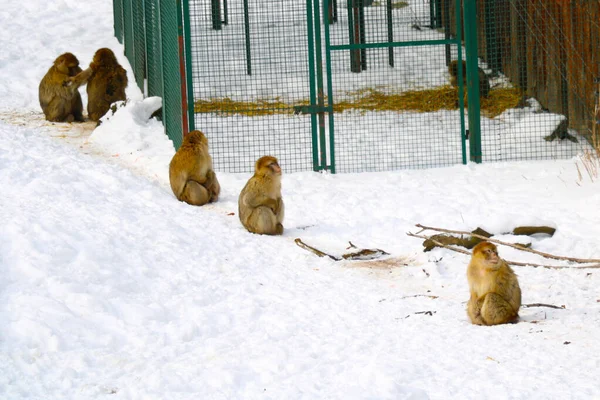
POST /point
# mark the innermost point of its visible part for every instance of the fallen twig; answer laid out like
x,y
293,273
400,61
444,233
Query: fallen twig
x,y
362,254
514,263
540,253
303,245
420,295
543,305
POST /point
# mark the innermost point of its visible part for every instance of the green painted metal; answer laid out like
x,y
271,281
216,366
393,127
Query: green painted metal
x,y
139,43
312,82
470,14
128,31
215,7
390,30
354,53
172,105
182,70
491,37
392,44
118,19
188,62
320,87
153,49
461,91
329,94
247,36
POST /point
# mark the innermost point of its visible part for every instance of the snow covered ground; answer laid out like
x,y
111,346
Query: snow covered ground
x,y
110,288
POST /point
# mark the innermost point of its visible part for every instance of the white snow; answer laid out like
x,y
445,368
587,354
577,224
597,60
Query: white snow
x,y
111,288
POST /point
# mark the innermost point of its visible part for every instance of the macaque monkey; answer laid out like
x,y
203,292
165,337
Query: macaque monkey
x,y
191,174
260,204
107,83
495,293
58,91
484,82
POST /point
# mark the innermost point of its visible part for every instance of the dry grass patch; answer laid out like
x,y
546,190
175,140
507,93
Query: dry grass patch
x,y
369,99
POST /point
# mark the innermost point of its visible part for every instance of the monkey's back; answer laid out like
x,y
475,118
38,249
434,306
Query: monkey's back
x,y
106,85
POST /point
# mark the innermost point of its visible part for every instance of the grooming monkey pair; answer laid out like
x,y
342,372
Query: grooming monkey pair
x,y
193,180
59,89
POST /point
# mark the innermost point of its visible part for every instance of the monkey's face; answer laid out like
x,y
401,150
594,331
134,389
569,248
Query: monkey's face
x,y
491,257
68,64
274,166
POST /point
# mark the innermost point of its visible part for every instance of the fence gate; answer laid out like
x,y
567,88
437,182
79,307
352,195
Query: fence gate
x,y
346,85
253,70
387,64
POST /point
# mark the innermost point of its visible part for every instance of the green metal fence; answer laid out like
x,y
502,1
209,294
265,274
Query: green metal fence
x,y
365,85
150,32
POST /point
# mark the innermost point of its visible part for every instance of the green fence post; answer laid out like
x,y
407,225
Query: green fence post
x,y
390,29
470,17
329,96
312,82
188,64
461,92
215,6
320,87
247,36
182,70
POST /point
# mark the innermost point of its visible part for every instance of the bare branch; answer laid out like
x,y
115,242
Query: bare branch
x,y
513,263
318,252
546,255
543,305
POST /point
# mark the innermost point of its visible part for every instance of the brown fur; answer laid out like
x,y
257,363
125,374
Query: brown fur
x,y
107,84
495,292
260,205
484,82
190,172
58,91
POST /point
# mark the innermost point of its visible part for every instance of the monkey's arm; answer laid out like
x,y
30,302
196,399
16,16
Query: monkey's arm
x,y
259,199
75,81
474,310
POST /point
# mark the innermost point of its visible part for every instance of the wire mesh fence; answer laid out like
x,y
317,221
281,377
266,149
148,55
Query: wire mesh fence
x,y
541,60
371,85
250,68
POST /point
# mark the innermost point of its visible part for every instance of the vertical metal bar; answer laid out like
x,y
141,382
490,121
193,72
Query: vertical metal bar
x,y
447,34
225,13
470,15
390,30
182,70
491,37
354,53
329,9
312,79
215,7
363,37
461,92
335,11
247,35
431,14
329,97
188,63
320,92
438,13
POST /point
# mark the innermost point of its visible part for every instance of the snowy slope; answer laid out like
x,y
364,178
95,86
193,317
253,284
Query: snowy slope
x,y
111,288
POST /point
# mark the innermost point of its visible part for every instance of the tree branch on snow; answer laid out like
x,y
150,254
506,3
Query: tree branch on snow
x,y
518,247
514,263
